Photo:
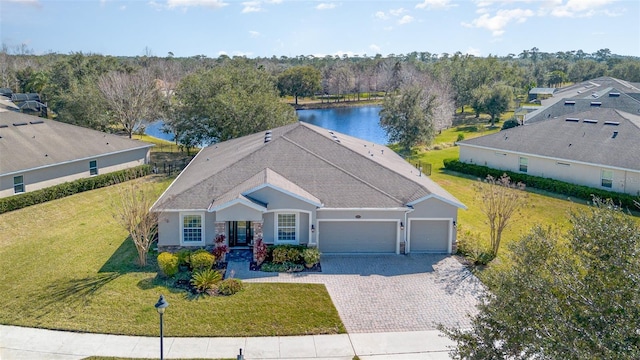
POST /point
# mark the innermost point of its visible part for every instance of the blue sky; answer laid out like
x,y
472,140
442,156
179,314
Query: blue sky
x,y
290,28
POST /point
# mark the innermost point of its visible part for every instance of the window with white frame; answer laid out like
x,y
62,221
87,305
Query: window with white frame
x,y
606,178
93,167
524,164
286,227
18,184
192,229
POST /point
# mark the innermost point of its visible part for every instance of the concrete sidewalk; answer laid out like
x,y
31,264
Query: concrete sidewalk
x,y
27,343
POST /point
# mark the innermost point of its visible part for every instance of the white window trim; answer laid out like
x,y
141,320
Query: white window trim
x,y
277,241
192,243
96,168
526,166
24,189
602,178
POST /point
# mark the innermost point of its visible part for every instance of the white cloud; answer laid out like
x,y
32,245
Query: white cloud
x,y
254,34
381,15
215,4
579,8
406,20
222,52
375,48
326,6
434,4
472,51
397,12
251,6
500,20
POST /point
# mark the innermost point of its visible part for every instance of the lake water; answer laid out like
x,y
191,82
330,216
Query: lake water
x,y
360,121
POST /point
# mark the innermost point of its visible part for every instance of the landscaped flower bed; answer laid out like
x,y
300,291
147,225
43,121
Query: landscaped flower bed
x,y
198,272
285,258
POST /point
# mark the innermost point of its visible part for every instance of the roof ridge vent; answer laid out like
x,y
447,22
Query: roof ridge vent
x,y
614,94
569,102
572,119
590,121
3,126
596,103
612,123
267,136
20,124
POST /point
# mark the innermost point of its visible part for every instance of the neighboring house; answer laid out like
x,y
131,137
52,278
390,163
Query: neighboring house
x,y
599,148
541,93
302,184
36,153
609,97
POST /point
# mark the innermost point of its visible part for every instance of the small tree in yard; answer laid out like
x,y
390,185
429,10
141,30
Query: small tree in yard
x,y
500,200
131,211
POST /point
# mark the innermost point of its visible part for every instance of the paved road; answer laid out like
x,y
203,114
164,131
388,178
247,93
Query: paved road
x,y
389,293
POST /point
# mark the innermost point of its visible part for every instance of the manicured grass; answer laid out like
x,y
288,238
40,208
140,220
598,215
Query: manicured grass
x,y
67,265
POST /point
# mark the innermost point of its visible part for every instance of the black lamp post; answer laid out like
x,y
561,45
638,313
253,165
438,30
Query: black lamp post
x,y
160,306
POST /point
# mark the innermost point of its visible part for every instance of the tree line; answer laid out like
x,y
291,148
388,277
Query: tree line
x,y
204,99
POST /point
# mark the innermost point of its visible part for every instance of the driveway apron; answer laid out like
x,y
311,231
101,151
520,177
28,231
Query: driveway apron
x,y
389,293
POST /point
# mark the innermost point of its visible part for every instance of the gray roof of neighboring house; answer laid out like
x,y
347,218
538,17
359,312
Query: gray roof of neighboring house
x,y
606,98
310,162
575,139
540,90
585,88
28,142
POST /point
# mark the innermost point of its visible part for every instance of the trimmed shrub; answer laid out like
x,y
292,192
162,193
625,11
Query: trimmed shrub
x,y
546,184
69,188
183,257
281,267
205,280
201,260
168,263
220,249
287,253
230,286
460,137
311,256
511,123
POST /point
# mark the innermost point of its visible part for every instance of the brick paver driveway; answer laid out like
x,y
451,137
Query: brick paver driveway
x,y
387,293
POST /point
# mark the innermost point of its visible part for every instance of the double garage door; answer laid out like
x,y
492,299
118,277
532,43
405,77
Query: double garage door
x,y
357,236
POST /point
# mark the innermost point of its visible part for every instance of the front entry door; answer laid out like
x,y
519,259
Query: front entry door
x,y
240,233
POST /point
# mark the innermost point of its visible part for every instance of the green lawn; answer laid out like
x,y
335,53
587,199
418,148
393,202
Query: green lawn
x,y
67,265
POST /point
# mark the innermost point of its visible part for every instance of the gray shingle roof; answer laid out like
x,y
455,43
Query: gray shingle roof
x,y
589,142
37,142
605,98
307,161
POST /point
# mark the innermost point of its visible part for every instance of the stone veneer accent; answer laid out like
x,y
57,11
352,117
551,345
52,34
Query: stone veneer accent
x,y
257,230
221,228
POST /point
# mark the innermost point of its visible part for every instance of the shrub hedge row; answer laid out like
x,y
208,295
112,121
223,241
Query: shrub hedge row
x,y
546,184
20,201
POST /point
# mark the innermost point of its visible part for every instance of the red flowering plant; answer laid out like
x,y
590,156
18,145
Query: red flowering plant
x,y
259,251
220,249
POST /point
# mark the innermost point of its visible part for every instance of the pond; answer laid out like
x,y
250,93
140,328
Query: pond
x,y
361,122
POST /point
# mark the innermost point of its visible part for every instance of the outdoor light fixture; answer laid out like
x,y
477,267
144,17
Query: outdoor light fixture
x,y
313,228
454,223
160,306
401,225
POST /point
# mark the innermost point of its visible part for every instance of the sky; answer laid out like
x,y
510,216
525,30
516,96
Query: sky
x,y
266,28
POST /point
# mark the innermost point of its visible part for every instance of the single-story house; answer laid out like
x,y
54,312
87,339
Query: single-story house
x,y
303,184
540,93
36,153
599,148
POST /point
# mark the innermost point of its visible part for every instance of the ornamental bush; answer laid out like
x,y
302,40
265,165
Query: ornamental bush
x,y
205,280
230,286
259,251
184,256
168,263
201,260
287,253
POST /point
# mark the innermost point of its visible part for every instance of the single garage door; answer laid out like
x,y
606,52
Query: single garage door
x,y
357,236
429,236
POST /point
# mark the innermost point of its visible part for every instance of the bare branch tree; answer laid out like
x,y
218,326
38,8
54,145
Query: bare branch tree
x,y
131,211
500,200
132,99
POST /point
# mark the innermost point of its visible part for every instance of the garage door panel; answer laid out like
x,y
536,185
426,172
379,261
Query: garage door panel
x,y
360,237
429,236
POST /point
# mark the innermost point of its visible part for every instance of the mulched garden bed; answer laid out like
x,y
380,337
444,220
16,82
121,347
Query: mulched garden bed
x,y
253,266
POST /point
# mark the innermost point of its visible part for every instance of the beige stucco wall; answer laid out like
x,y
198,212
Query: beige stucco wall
x,y
571,172
169,227
363,214
58,174
239,212
276,200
